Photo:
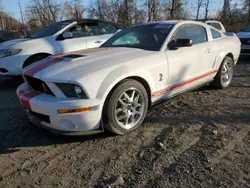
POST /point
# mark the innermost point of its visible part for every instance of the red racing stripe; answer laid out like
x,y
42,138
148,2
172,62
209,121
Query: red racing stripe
x,y
26,97
23,91
32,70
164,91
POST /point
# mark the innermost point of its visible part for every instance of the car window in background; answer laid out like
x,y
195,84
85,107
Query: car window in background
x,y
92,29
194,32
107,28
215,34
215,25
79,30
150,37
50,30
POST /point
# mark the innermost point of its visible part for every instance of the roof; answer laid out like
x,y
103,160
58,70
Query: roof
x,y
171,22
89,21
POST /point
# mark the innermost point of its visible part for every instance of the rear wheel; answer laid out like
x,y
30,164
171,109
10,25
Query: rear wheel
x,y
126,107
225,74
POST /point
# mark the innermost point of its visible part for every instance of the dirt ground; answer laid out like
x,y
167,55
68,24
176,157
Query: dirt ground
x,y
200,139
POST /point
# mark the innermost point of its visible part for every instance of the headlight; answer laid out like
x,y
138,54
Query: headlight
x,y
72,90
9,52
79,92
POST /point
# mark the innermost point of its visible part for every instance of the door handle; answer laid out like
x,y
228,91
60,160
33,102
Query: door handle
x,y
98,42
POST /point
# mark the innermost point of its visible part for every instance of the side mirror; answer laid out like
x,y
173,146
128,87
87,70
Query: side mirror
x,y
67,35
179,43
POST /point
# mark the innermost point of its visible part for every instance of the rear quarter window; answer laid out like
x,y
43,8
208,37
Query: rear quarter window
x,y
215,25
215,34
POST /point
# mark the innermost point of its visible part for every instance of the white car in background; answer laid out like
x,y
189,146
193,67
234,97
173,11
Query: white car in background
x,y
61,37
244,36
112,87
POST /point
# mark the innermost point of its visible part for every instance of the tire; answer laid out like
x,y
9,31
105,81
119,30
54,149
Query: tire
x,y
225,74
34,59
123,105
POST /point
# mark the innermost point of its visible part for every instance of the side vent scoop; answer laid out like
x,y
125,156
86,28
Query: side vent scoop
x,y
74,56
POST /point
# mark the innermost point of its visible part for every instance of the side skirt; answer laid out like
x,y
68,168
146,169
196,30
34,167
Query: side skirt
x,y
177,94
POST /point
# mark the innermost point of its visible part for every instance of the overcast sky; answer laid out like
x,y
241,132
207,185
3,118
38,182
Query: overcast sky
x,y
12,7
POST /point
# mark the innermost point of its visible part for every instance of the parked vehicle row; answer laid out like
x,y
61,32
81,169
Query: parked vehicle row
x,y
113,86
61,37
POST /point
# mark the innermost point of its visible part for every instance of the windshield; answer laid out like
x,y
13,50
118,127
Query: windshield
x,y
148,37
50,30
247,29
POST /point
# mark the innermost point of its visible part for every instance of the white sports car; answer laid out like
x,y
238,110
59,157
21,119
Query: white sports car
x,y
112,87
61,37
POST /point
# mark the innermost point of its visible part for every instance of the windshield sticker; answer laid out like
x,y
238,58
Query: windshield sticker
x,y
163,26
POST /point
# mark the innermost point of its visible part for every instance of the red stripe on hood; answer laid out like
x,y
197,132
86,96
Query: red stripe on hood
x,y
43,64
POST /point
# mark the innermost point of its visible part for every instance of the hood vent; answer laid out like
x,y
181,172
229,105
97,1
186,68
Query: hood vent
x,y
74,56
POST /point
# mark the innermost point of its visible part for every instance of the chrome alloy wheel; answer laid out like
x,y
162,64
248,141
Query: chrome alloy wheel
x,y
227,73
129,108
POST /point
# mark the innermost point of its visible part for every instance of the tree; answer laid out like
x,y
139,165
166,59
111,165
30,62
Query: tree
x,y
154,9
247,5
46,12
207,5
175,10
199,4
1,16
122,12
74,9
225,11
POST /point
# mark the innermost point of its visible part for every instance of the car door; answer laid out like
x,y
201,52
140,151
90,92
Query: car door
x,y
99,33
188,66
77,42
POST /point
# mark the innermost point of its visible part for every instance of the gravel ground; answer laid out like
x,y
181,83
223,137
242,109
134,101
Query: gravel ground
x,y
199,139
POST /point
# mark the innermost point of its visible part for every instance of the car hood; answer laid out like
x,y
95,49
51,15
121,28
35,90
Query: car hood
x,y
243,35
11,43
68,66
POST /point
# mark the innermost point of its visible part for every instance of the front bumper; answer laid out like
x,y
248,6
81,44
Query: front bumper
x,y
42,111
12,65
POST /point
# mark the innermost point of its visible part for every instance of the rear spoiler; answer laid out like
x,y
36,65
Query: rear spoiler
x,y
230,34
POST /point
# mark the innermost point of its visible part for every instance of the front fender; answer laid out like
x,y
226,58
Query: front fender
x,y
119,74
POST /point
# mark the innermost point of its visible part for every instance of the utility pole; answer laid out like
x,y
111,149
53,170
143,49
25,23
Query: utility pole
x,y
21,12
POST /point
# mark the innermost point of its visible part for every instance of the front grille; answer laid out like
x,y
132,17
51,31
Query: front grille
x,y
245,51
41,117
245,41
38,85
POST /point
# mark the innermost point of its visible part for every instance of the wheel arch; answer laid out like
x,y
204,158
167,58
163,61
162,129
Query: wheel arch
x,y
229,55
45,54
138,79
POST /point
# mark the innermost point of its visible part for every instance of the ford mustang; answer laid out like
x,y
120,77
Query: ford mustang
x,y
113,86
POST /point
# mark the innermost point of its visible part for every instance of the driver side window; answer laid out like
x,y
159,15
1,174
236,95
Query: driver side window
x,y
84,30
194,32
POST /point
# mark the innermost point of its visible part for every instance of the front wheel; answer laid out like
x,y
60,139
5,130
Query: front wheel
x,y
225,74
126,107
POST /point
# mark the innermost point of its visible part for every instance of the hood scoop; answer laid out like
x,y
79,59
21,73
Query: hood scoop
x,y
74,56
